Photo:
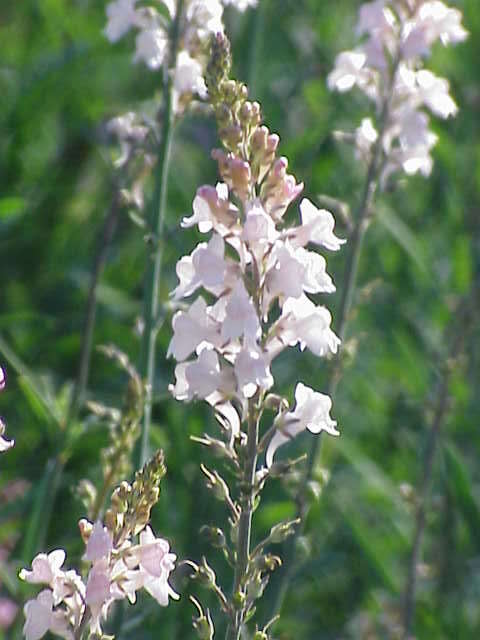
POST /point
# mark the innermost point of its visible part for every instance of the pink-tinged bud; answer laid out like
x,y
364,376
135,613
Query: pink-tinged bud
x,y
280,167
263,147
85,529
273,142
259,139
221,157
3,379
279,189
241,177
235,172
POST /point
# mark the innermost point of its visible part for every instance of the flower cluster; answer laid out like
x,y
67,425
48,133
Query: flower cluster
x,y
388,67
255,272
200,19
118,568
4,444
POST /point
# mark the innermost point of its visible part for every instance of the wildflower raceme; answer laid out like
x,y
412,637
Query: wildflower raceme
x,y
200,19
254,275
388,67
123,556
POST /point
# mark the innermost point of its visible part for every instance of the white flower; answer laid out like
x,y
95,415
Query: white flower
x,y
192,327
40,618
439,21
312,412
155,565
241,5
317,227
285,274
4,444
365,136
252,370
240,315
315,278
121,17
189,76
259,231
151,47
201,377
204,18
374,17
212,210
205,267
305,323
38,615
349,70
45,568
434,93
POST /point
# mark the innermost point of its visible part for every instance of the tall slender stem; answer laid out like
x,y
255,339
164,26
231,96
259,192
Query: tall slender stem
x,y
245,523
154,267
54,478
106,237
355,244
440,413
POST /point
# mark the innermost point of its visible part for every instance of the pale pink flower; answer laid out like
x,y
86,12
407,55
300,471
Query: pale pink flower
x,y
259,231
252,370
191,328
40,618
45,568
189,76
240,315
433,91
151,47
365,136
155,565
307,324
317,227
241,5
312,412
100,543
121,16
4,444
206,267
349,71
212,210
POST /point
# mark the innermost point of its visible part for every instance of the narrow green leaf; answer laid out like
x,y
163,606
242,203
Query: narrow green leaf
x,y
460,483
35,392
404,236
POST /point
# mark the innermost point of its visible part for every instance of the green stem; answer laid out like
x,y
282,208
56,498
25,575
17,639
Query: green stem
x,y
154,267
245,523
106,237
355,244
441,408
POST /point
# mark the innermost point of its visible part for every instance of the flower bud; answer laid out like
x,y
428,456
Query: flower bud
x,y
202,624
214,536
281,531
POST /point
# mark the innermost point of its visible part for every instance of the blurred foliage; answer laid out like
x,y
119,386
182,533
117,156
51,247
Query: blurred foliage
x,y
60,81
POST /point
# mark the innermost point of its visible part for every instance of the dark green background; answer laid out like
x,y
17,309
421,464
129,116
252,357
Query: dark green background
x,y
60,80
